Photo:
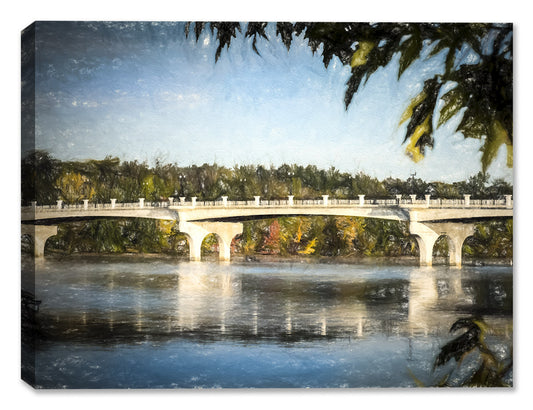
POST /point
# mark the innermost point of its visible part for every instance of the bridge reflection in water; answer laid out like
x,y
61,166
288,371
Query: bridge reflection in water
x,y
265,305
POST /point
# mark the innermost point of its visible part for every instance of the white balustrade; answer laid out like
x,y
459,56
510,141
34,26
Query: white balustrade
x,y
289,202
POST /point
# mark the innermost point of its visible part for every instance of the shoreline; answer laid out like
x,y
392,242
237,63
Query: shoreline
x,y
260,258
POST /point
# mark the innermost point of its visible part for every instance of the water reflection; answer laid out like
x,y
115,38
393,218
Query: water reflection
x,y
109,303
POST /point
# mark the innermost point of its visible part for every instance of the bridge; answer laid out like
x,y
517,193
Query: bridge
x,y
428,219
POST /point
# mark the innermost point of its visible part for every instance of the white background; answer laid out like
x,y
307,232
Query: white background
x,y
16,394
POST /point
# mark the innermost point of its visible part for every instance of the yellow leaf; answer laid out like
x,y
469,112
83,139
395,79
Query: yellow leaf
x,y
299,233
510,155
166,227
414,102
360,56
412,149
310,248
418,382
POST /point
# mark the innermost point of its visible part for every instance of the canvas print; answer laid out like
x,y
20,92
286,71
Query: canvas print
x,y
266,205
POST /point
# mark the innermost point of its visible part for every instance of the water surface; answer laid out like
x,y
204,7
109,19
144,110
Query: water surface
x,y
130,322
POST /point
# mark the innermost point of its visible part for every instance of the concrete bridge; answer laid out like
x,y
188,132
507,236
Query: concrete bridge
x,y
428,218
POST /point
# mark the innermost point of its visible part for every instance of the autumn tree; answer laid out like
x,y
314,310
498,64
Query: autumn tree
x,y
74,187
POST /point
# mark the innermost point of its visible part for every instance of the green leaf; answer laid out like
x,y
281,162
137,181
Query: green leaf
x,y
353,84
472,127
256,29
496,137
441,45
410,50
453,102
284,30
450,61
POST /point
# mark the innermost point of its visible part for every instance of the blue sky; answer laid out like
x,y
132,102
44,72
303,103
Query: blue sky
x,y
145,92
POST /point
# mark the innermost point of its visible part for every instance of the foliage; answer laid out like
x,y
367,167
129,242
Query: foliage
x,y
491,239
39,172
46,179
74,187
117,236
475,81
490,371
210,244
310,236
102,180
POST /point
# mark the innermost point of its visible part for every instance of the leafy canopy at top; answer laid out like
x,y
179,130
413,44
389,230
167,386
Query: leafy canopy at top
x,y
480,90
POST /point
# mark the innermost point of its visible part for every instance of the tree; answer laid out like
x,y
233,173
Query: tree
x,y
444,190
499,188
104,174
475,186
39,172
476,81
74,187
367,185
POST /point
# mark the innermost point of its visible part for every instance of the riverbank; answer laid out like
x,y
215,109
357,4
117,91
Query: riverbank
x,y
261,258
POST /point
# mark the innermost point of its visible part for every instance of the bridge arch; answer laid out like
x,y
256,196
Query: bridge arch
x,y
212,243
442,248
39,235
193,247
427,219
427,234
197,231
451,247
181,244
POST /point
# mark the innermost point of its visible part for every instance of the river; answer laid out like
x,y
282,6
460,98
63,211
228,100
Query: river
x,y
131,322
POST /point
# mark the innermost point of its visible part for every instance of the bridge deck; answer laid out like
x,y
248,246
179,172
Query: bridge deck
x,y
433,210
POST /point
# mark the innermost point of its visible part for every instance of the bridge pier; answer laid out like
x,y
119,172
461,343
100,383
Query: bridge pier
x,y
39,234
427,233
456,234
426,238
197,231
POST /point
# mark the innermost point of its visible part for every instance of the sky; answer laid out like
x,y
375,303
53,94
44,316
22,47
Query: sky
x,y
143,91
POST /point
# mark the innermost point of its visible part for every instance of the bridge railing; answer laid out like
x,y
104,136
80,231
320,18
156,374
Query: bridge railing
x,y
428,203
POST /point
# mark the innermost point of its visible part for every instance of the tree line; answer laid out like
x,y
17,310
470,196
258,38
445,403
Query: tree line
x,y
46,179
